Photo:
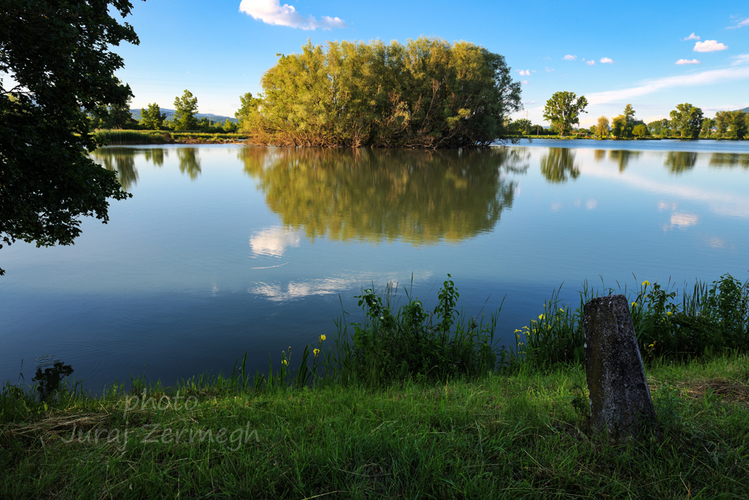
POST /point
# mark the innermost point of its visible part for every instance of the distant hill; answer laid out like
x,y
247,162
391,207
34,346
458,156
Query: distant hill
x,y
745,110
170,113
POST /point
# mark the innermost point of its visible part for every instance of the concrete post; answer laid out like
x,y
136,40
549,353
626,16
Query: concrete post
x,y
619,394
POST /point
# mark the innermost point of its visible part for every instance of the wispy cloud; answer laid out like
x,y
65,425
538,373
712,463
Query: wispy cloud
x,y
741,59
569,57
737,72
606,60
709,46
739,24
524,72
524,82
272,12
691,37
549,70
688,61
590,63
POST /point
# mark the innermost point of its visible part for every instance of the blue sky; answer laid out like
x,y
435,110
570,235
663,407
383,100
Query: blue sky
x,y
652,54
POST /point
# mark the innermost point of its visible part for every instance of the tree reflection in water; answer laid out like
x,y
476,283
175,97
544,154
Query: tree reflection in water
x,y
121,161
729,160
558,165
418,196
622,157
680,161
189,162
155,156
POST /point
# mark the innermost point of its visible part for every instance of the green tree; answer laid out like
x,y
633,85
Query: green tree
x,y
427,94
152,117
619,127
229,126
602,129
722,119
687,120
623,128
640,130
56,56
185,108
655,127
521,127
248,114
707,128
563,110
736,125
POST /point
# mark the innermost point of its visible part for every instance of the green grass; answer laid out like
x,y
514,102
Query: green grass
x,y
137,137
518,436
368,419
130,137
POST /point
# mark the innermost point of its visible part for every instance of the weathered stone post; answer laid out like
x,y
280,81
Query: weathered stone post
x,y
619,394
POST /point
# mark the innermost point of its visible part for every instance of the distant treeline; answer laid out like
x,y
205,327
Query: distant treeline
x,y
427,93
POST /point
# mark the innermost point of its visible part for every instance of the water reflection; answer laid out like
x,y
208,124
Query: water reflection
x,y
622,157
273,242
729,160
558,165
121,161
156,156
189,162
680,161
417,196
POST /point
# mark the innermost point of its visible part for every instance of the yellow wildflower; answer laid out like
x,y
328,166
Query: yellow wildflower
x,y
541,317
284,362
322,337
669,313
646,283
316,352
634,304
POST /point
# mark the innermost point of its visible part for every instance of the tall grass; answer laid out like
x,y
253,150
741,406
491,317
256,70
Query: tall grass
x,y
708,320
115,137
107,137
401,342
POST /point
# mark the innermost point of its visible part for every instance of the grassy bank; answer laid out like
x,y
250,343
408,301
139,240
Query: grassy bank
x,y
140,137
514,436
409,404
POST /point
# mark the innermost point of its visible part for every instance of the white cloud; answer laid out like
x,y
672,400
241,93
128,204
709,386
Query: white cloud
x,y
606,60
272,12
529,102
590,63
524,72
273,241
569,58
709,46
549,70
739,24
742,59
691,37
705,78
688,61
524,82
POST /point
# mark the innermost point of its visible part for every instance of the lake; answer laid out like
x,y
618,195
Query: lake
x,y
225,250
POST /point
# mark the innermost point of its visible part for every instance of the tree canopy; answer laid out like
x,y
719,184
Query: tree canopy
x,y
427,93
57,66
563,110
152,117
185,108
687,120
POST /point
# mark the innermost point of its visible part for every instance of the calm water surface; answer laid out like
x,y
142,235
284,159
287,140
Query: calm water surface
x,y
228,249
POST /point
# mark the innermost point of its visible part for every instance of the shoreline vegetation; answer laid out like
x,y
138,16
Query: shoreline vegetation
x,y
408,402
116,137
